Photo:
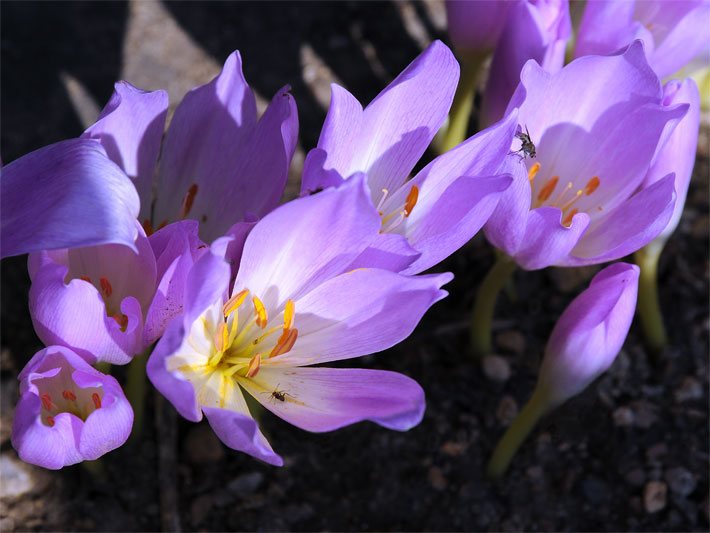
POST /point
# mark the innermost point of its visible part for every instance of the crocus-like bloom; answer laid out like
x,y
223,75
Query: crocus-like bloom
x,y
293,306
673,32
68,411
590,333
596,125
677,154
427,218
535,29
51,198
474,27
219,168
218,164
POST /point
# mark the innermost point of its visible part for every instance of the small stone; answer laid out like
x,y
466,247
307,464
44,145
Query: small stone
x,y
512,341
636,477
7,524
690,389
655,496
246,483
644,414
203,446
453,449
656,452
680,481
496,368
199,509
534,472
437,478
16,476
507,410
623,417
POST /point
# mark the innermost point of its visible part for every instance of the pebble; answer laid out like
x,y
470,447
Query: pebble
x,y
512,341
690,389
496,368
507,410
623,417
203,446
454,449
437,478
16,477
644,414
655,496
246,483
680,481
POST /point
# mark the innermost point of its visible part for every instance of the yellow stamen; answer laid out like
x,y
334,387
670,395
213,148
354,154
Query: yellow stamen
x,y
533,171
289,313
547,189
411,201
571,202
592,185
568,219
262,316
234,302
285,342
254,365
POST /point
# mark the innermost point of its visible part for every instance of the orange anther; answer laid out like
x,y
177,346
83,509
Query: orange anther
x,y
568,219
285,342
87,279
50,421
147,227
411,201
262,317
592,185
121,320
96,399
106,287
46,402
188,200
69,395
289,314
234,302
254,366
533,171
547,189
162,225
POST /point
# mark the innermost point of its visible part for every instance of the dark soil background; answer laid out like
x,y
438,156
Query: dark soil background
x,y
631,453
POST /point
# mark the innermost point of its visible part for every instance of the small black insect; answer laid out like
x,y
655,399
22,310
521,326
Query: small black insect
x,y
527,147
279,395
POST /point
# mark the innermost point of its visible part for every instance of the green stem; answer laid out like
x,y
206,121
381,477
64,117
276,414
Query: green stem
x,y
95,468
518,431
457,127
103,367
484,306
649,305
135,392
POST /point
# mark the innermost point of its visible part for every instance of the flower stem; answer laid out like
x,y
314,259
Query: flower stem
x,y
518,431
135,392
485,303
455,130
103,367
649,306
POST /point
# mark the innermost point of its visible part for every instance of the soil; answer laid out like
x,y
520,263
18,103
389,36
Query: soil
x,y
630,453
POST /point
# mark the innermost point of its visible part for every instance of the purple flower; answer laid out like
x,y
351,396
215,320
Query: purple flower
x,y
677,154
427,218
68,411
474,27
292,307
589,334
673,33
537,29
596,125
218,164
51,199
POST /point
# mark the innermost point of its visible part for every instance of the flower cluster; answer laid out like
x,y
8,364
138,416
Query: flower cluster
x,y
172,246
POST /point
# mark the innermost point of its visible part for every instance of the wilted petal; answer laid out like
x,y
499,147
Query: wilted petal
x,y
325,399
65,195
130,128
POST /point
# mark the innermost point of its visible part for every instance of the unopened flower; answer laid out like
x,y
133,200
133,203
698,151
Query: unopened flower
x,y
292,307
596,125
537,29
474,27
428,217
65,195
68,411
673,32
